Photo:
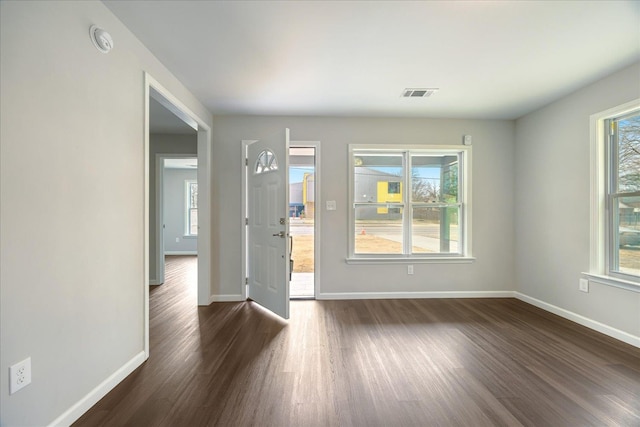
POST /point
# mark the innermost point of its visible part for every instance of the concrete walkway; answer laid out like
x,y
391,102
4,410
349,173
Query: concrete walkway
x,y
301,285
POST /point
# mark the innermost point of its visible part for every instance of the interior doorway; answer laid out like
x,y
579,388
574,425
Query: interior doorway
x,y
303,220
155,93
178,207
173,149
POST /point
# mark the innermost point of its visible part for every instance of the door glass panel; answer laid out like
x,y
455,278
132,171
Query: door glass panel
x,y
266,162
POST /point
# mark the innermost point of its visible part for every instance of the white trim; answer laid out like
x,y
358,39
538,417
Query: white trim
x,y
72,414
227,298
613,281
159,210
584,321
597,217
181,252
410,260
145,218
245,214
317,221
416,295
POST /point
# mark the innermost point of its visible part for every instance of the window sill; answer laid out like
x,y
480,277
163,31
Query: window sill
x,y
613,281
432,260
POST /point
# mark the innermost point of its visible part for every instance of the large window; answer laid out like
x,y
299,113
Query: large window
x,y
409,203
622,154
615,197
191,208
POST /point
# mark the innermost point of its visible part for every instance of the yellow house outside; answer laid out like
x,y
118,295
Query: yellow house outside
x,y
389,192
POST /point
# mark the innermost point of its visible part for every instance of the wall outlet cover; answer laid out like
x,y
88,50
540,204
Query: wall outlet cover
x,y
584,285
19,375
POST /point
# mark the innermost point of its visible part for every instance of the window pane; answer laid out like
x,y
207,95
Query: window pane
x,y
193,194
377,178
628,235
434,178
628,154
378,230
193,222
435,230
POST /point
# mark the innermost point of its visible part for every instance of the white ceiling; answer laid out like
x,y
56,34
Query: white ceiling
x,y
490,59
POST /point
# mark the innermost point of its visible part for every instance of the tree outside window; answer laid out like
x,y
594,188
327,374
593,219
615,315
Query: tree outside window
x,y
624,195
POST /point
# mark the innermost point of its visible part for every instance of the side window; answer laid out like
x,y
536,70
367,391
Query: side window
x,y
623,196
191,208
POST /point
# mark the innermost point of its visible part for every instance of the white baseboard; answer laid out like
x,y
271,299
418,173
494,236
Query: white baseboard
x,y
584,321
83,405
226,298
181,252
406,295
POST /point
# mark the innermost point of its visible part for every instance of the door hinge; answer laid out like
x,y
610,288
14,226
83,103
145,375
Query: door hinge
x,y
246,162
246,280
612,128
246,221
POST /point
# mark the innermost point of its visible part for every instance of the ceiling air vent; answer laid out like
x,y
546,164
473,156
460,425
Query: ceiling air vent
x,y
419,92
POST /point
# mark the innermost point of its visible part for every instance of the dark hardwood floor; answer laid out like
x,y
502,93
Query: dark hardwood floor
x,y
433,362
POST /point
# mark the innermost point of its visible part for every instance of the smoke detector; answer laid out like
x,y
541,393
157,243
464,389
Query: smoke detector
x,y
419,92
101,39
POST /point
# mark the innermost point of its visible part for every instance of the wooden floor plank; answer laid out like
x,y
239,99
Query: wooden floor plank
x,y
447,362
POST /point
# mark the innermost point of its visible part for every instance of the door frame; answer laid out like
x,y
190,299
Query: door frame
x,y
317,222
153,88
159,208
245,214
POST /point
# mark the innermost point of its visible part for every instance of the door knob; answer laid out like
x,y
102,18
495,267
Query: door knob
x,y
280,234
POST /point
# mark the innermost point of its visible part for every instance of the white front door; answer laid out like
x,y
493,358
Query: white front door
x,y
268,224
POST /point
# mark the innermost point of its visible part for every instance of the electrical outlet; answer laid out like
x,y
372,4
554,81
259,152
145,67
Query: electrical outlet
x,y
584,285
177,240
19,375
409,269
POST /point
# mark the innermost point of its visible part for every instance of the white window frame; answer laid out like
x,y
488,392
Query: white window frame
x,y
187,207
464,199
599,242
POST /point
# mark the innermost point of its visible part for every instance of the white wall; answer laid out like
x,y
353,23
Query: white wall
x,y
493,186
174,211
72,174
552,204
